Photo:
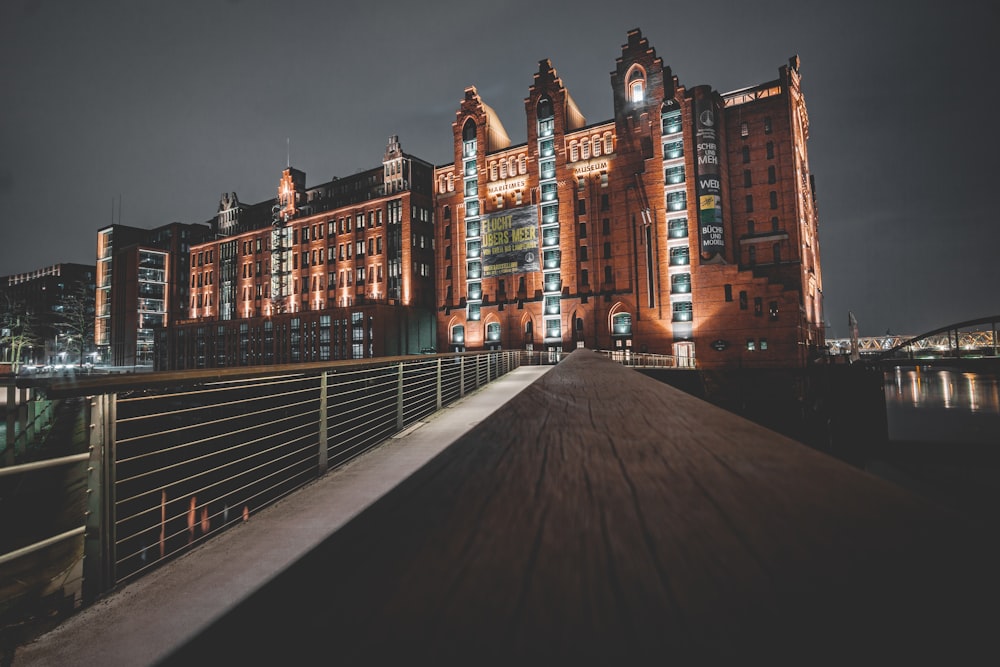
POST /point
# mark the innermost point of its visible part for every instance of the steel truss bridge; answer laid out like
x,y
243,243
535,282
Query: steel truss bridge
x,y
970,339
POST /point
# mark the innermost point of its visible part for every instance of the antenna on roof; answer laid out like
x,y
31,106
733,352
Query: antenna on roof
x,y
288,152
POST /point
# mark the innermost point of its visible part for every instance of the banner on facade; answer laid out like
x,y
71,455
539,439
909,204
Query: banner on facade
x,y
709,191
510,242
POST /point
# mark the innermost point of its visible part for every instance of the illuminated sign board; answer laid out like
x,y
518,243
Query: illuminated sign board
x,y
510,242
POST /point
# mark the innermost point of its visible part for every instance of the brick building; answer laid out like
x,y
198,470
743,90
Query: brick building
x,y
684,225
340,270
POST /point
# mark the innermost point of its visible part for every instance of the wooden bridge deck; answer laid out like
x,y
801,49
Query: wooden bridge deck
x,y
601,517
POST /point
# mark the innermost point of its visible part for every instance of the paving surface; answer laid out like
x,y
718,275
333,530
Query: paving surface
x,y
147,619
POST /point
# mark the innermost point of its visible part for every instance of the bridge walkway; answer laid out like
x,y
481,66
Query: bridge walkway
x,y
597,517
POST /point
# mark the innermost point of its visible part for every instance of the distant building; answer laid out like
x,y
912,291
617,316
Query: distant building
x,y
42,294
141,288
340,270
684,225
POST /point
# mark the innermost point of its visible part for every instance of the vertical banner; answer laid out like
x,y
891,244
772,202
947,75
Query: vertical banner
x,y
709,185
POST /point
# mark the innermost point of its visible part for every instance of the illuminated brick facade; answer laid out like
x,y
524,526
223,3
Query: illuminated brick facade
x,y
684,225
342,270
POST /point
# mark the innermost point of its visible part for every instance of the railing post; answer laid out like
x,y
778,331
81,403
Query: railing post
x,y
399,399
11,423
437,397
29,432
22,417
99,542
322,465
461,376
478,357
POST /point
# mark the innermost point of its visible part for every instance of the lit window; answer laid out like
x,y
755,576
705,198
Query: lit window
x,y
680,283
680,256
681,311
621,324
677,228
636,84
750,345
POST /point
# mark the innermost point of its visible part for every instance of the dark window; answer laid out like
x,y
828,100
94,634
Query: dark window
x,y
729,291
605,203
747,180
583,253
584,277
749,203
469,130
607,274
770,150
767,125
771,176
758,306
753,255
774,224
777,253
606,226
743,300
774,199
750,227
583,230
607,250
581,206
746,154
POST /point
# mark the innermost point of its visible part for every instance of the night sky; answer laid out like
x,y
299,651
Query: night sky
x,y
166,105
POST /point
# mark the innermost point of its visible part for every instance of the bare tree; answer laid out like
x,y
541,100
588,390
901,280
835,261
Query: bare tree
x,y
17,331
75,319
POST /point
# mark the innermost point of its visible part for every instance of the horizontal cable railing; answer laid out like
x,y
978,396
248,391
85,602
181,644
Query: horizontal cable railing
x,y
175,459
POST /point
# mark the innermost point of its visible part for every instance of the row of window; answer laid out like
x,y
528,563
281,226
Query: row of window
x,y
772,196
769,148
584,149
772,176
745,127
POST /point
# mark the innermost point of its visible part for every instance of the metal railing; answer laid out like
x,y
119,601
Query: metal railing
x,y
173,459
648,360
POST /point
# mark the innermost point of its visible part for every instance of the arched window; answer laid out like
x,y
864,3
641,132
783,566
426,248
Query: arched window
x,y
469,131
458,335
493,332
636,84
544,108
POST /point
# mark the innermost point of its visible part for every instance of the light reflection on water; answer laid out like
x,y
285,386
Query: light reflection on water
x,y
942,404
